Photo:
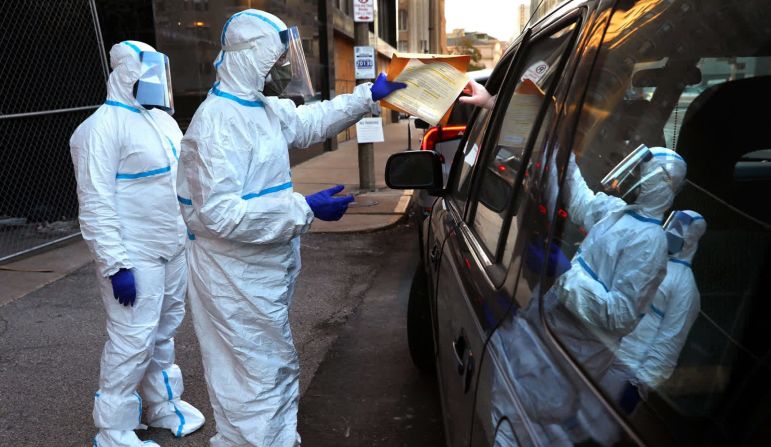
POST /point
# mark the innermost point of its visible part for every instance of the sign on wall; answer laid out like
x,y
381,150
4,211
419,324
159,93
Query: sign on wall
x,y
363,10
364,62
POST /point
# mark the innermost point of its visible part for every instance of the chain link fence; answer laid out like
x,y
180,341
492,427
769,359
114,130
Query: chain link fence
x,y
53,71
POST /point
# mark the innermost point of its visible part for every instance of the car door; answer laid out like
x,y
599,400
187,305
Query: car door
x,y
521,385
517,154
474,257
461,320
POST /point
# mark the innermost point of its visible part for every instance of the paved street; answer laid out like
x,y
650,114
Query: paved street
x,y
359,387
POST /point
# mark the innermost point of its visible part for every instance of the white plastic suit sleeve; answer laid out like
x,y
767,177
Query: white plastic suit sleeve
x,y
617,308
314,123
96,159
680,314
586,208
214,180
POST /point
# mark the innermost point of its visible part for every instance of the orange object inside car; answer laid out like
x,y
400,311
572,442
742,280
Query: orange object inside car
x,y
440,133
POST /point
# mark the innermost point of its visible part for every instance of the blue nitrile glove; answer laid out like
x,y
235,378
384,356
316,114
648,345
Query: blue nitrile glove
x,y
327,207
557,263
630,397
123,287
383,87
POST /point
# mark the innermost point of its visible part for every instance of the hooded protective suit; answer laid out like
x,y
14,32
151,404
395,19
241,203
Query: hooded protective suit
x,y
648,355
614,274
125,160
619,264
244,219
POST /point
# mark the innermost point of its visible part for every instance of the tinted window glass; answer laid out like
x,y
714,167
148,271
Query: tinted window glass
x,y
669,318
500,175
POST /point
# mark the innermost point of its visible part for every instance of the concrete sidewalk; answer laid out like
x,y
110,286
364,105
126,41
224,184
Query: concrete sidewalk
x,y
371,211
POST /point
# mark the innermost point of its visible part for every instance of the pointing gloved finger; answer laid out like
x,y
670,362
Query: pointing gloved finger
x,y
335,189
399,85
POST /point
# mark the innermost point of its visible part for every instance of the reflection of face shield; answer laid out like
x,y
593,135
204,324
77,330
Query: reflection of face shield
x,y
625,179
676,229
289,75
153,88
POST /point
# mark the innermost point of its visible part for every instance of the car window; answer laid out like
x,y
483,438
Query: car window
x,y
461,179
667,249
500,175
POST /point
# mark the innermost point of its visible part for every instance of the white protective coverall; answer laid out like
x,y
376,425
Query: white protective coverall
x,y
125,160
614,274
648,356
236,196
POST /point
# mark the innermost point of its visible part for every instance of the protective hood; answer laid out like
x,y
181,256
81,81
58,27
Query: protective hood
x,y
664,175
688,227
251,45
126,69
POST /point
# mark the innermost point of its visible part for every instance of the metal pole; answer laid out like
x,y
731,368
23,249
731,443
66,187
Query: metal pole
x,y
366,150
409,135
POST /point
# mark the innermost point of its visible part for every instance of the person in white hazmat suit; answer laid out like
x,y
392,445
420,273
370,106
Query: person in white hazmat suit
x,y
125,160
648,356
616,270
244,219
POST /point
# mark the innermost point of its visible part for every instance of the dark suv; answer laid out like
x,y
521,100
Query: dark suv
x,y
578,92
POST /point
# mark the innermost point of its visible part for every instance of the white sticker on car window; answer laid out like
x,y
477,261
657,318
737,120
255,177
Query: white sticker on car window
x,y
536,71
471,157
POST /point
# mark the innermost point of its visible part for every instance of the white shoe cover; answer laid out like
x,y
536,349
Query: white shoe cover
x,y
120,438
176,415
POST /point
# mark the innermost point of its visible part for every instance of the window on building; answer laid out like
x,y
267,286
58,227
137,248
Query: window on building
x,y
403,46
403,20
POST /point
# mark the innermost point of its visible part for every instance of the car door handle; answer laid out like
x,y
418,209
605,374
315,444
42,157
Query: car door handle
x,y
434,254
459,349
464,360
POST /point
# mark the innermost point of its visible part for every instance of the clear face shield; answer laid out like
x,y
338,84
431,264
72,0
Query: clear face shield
x,y
153,88
626,178
289,76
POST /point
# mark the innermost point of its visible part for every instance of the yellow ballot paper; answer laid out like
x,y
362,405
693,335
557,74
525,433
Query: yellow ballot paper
x,y
523,106
433,84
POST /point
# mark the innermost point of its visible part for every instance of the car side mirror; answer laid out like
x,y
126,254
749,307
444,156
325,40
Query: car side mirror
x,y
420,124
414,170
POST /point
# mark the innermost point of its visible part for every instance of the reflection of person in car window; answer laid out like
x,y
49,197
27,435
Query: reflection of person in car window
x,y
648,356
618,266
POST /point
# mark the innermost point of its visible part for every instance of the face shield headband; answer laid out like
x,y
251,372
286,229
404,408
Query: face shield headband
x,y
289,76
153,88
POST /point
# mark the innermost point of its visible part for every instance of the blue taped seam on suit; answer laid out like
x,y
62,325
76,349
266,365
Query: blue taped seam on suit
x,y
125,176
680,261
176,410
139,398
657,311
643,219
591,272
113,103
173,148
267,191
132,46
230,96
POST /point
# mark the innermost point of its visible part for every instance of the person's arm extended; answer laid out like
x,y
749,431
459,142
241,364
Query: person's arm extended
x,y
313,123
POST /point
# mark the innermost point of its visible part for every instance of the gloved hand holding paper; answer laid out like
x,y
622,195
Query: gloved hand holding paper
x,y
433,84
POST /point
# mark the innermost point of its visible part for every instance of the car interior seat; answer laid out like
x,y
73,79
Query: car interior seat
x,y
720,127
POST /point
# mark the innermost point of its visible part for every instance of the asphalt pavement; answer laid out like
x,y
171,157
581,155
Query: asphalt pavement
x,y
347,316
